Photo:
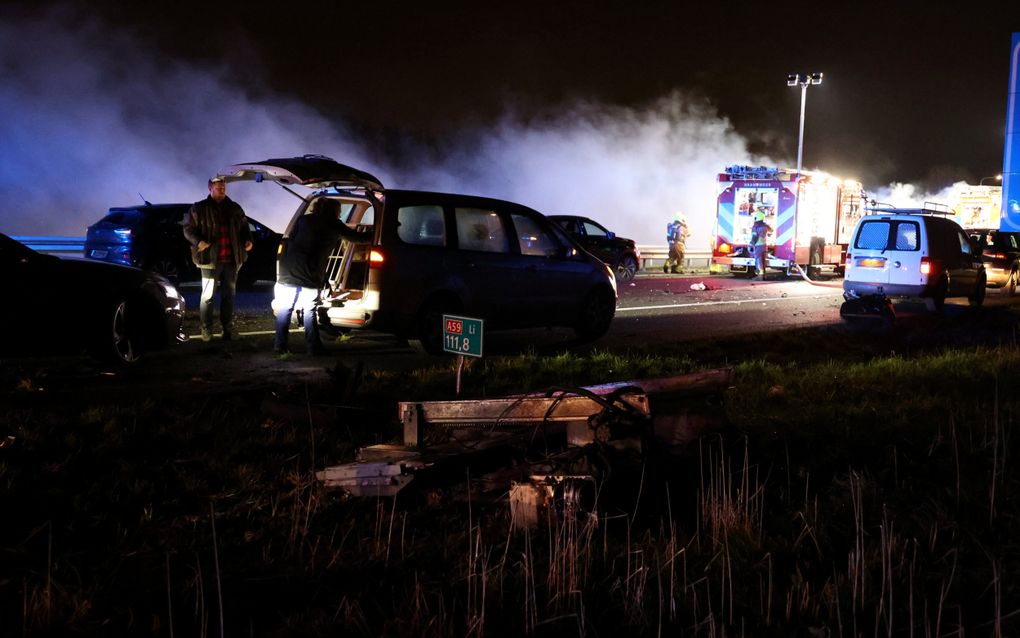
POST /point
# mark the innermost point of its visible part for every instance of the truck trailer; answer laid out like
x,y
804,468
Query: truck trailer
x,y
976,206
812,215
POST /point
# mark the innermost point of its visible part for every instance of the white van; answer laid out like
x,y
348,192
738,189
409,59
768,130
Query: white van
x,y
912,253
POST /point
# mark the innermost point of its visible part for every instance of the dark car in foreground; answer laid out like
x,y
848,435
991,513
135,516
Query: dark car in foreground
x,y
64,306
1001,253
622,255
150,236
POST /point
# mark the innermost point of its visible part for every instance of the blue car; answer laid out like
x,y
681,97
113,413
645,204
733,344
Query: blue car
x,y
150,236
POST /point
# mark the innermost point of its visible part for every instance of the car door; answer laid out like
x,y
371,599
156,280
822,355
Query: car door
x,y
966,264
261,261
600,241
904,252
554,277
485,264
869,261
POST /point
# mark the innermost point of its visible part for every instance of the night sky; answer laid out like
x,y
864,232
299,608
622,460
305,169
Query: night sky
x,y
621,112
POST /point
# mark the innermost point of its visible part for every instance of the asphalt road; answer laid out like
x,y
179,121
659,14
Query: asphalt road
x,y
657,313
653,309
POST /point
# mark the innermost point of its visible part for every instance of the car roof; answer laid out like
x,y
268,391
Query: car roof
x,y
149,207
401,195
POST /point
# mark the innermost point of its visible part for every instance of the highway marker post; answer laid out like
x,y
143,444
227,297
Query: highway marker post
x,y
463,337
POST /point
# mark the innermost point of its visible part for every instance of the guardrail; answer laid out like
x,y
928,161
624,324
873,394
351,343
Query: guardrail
x,y
53,245
652,256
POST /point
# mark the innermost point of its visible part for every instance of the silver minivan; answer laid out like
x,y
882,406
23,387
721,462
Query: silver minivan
x,y
913,253
441,253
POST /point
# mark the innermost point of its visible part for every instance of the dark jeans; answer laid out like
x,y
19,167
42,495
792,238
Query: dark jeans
x,y
285,300
222,278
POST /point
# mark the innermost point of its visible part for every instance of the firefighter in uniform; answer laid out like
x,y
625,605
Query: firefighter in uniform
x,y
676,238
759,234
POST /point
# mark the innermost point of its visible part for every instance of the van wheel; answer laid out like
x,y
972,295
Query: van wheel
x,y
429,324
597,312
978,296
626,269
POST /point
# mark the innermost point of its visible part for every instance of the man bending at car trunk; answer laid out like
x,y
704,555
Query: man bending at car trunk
x,y
301,268
220,240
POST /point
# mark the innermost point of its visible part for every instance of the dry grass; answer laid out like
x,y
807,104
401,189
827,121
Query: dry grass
x,y
842,506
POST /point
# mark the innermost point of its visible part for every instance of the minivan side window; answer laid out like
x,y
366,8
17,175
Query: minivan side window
x,y
421,225
533,240
480,229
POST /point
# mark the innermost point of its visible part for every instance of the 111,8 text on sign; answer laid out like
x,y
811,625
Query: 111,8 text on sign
x,y
462,335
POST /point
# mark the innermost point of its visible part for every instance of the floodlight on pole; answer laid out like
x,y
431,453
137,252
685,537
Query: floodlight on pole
x,y
995,177
803,80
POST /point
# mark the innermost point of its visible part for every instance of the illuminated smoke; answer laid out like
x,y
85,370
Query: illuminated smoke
x,y
902,195
93,117
630,169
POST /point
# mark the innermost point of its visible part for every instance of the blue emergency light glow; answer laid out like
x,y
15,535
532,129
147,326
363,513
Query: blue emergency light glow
x,y
1010,220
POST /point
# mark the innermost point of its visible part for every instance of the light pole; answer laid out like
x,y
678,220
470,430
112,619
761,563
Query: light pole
x,y
995,177
803,80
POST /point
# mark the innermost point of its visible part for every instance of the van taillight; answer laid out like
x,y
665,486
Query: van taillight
x,y
849,260
925,266
375,259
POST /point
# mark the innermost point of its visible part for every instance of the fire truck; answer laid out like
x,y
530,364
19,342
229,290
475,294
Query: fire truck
x,y
812,215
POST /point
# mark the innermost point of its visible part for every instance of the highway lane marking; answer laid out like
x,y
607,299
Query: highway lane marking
x,y
719,303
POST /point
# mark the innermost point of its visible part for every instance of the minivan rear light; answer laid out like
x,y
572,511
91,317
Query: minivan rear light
x,y
925,266
849,260
375,259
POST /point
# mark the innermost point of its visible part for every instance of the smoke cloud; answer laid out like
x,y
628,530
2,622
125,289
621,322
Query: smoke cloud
x,y
902,195
94,117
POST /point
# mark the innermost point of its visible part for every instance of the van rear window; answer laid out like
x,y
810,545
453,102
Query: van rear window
x,y
884,234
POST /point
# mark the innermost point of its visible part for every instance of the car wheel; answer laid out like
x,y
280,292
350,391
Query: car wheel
x,y
978,296
597,312
626,269
429,323
116,339
168,268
